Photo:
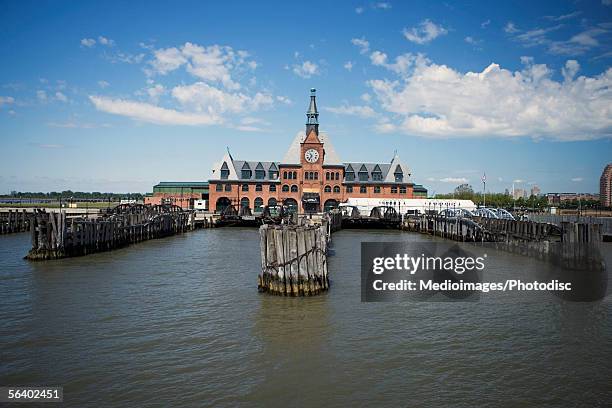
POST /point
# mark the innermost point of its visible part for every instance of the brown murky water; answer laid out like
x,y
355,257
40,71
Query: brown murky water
x,y
179,322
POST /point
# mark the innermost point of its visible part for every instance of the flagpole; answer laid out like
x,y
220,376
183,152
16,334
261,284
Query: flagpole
x,y
484,190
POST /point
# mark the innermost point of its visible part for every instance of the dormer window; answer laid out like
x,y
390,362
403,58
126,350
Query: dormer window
x,y
273,171
224,171
246,171
377,173
399,174
363,173
260,173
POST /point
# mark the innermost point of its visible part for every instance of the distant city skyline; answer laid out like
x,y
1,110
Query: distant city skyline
x,y
117,97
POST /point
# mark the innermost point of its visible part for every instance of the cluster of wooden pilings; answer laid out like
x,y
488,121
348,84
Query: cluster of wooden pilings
x,y
572,245
55,236
293,259
458,229
14,221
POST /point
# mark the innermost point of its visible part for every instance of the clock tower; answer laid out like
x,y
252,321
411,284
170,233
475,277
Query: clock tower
x,y
312,155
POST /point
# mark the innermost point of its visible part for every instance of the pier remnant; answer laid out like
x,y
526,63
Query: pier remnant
x,y
14,221
55,236
293,259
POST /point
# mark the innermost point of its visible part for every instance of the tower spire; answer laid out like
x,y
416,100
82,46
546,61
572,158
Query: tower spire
x,y
312,115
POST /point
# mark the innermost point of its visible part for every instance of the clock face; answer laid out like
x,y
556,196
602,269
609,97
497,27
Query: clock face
x,y
311,155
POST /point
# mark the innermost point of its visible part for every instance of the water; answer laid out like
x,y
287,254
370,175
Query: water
x,y
179,322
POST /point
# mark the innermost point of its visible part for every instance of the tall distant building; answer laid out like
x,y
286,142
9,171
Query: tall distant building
x,y
535,191
605,186
519,193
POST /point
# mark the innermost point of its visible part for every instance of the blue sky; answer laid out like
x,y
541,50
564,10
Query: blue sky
x,y
117,96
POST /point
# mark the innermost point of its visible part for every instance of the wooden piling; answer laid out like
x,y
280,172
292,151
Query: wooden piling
x,y
293,260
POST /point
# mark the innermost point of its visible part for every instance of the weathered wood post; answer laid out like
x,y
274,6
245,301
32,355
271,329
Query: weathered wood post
x,y
293,260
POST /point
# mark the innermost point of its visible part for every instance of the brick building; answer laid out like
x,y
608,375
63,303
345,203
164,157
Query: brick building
x,y
310,178
605,186
180,193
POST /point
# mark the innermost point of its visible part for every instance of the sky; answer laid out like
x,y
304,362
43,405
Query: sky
x,y
117,96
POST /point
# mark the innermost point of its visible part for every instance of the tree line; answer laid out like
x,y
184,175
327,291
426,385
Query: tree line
x,y
74,195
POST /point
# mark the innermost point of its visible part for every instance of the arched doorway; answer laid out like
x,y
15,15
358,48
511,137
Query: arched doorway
x,y
330,205
292,205
222,204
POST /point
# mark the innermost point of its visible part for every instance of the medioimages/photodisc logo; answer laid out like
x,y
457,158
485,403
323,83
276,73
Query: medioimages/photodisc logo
x,y
395,271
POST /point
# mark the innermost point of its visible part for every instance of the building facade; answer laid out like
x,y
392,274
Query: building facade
x,y
605,186
310,178
180,193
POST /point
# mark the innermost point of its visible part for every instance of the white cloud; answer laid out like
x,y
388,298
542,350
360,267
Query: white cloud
x,y
577,179
61,97
284,99
41,95
518,181
155,92
352,110
382,6
362,44
472,41
146,112
484,24
577,44
6,100
88,42
434,100
306,69
564,16
167,60
510,28
214,63
359,10
201,97
348,66
103,84
425,32
106,41
366,97
454,180
570,70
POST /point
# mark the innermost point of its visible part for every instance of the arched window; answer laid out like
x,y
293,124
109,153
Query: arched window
x,y
245,187
330,205
291,204
258,204
228,187
316,174
219,187
222,204
336,189
284,174
244,202
328,189
272,187
307,175
327,175
295,175
294,189
271,202
285,188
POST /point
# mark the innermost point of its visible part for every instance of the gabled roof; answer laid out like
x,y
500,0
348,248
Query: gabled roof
x,y
293,153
